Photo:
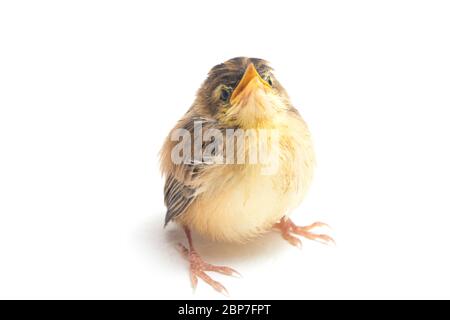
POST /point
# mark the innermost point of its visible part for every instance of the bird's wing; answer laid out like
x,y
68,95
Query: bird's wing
x,y
179,192
177,197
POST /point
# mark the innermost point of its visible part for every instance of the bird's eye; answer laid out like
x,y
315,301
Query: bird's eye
x,y
269,80
224,94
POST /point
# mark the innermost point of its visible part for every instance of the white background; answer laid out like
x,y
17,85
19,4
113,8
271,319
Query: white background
x,y
89,90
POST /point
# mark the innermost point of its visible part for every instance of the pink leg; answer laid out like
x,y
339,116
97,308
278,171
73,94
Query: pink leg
x,y
198,266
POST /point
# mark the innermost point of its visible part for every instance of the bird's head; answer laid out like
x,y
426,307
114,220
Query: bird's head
x,y
243,92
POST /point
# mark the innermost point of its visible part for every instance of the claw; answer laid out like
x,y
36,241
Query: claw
x,y
215,284
296,242
315,225
223,270
287,226
311,236
198,267
194,280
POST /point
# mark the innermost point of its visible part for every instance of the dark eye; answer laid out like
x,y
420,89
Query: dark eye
x,y
224,94
269,80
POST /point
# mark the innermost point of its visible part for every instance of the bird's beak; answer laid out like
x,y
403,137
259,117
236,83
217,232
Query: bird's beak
x,y
250,81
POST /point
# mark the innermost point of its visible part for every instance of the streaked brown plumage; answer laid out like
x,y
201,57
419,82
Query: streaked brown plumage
x,y
237,202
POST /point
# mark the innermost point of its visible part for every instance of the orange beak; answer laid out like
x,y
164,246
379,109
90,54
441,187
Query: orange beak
x,y
250,81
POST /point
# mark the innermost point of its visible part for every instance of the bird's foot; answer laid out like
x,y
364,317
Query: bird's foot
x,y
288,228
198,267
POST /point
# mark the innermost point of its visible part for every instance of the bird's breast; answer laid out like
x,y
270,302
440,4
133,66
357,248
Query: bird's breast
x,y
239,202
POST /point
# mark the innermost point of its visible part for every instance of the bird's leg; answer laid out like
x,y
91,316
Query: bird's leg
x,y
198,266
288,228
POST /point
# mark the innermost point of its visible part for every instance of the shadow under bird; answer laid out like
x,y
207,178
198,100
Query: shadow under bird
x,y
236,201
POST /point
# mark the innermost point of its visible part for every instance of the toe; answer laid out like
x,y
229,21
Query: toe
x,y
322,238
296,242
194,279
326,239
223,270
215,284
313,226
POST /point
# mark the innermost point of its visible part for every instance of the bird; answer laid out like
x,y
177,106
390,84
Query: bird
x,y
233,201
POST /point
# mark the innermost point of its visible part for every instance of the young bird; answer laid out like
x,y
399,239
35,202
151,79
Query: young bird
x,y
229,201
